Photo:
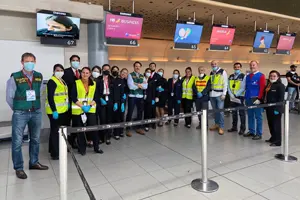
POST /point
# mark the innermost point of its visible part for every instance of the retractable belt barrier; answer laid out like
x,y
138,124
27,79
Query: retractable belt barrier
x,y
163,119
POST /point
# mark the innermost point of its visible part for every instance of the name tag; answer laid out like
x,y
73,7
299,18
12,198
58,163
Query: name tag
x,y
106,98
30,95
172,94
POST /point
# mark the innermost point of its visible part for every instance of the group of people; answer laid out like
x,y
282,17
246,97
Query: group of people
x,y
81,97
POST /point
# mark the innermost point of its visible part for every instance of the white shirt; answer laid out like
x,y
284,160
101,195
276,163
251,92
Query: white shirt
x,y
106,86
217,94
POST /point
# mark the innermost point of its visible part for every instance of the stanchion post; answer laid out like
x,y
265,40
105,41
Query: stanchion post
x,y
204,184
63,163
285,156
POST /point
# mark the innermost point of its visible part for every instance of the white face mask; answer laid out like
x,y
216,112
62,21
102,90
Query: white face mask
x,y
201,75
273,81
95,74
175,76
58,74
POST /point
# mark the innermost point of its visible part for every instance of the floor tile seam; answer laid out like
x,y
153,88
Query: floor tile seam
x,y
122,179
115,190
150,160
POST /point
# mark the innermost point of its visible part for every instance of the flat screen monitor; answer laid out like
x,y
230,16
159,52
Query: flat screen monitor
x,y
222,37
285,43
124,26
263,41
57,25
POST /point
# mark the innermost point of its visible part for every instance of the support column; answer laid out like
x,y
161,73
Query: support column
x,y
97,51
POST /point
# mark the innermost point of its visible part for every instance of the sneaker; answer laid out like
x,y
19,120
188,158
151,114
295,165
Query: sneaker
x,y
198,127
232,130
128,134
21,174
140,131
249,134
38,166
257,137
146,129
214,127
221,131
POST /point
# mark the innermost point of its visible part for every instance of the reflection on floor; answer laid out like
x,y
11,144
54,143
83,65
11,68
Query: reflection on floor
x,y
161,166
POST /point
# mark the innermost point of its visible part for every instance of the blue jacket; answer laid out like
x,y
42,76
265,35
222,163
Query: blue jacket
x,y
253,85
177,89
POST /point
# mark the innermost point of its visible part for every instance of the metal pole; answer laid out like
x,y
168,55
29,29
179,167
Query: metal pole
x,y
133,6
285,156
109,5
177,14
227,20
212,19
266,26
63,164
204,185
254,25
194,16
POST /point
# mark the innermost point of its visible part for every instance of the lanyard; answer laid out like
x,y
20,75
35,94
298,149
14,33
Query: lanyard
x,y
28,80
86,88
173,83
187,82
106,85
63,83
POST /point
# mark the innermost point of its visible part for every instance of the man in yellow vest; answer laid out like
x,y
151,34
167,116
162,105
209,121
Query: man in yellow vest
x,y
219,83
236,91
201,90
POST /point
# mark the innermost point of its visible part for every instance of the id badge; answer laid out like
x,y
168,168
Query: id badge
x,y
145,97
83,118
30,95
84,103
156,100
106,98
172,94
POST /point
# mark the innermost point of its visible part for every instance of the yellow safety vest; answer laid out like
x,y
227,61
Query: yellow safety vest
x,y
187,88
60,97
82,96
217,81
201,83
235,84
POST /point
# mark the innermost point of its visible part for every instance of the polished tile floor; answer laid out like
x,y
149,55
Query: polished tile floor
x,y
161,166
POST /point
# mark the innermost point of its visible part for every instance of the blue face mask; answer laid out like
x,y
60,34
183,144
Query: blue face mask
x,y
215,68
237,71
160,73
148,74
29,66
75,64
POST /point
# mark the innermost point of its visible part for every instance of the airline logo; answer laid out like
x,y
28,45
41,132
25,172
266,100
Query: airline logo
x,y
124,21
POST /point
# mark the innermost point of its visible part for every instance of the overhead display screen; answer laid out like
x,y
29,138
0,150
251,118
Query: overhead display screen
x,y
123,25
263,41
285,43
221,37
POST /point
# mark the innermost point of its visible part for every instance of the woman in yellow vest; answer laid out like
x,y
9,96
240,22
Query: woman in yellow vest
x,y
187,94
84,98
56,106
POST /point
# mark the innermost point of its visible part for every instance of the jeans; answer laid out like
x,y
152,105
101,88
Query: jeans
x,y
292,93
139,103
254,115
218,103
19,121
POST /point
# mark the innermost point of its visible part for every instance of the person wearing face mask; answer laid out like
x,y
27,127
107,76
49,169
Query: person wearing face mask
x,y
201,90
161,96
72,74
123,77
236,91
96,72
23,95
255,85
174,96
119,98
219,84
57,105
149,99
274,93
293,85
107,106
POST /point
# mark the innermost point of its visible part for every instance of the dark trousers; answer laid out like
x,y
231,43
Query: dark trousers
x,y
149,112
118,116
72,136
187,108
139,103
106,117
173,105
54,135
81,137
201,105
235,116
274,122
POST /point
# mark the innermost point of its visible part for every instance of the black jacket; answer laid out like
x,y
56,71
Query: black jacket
x,y
150,92
100,87
205,92
119,90
176,89
70,78
155,81
275,95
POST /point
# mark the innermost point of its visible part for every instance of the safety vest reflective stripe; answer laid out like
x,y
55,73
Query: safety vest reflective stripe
x,y
217,82
85,99
201,83
58,104
61,94
77,107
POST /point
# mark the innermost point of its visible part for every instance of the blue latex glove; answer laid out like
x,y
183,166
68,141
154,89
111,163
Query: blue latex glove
x,y
103,102
276,112
178,101
55,115
115,107
122,107
153,102
159,89
199,94
124,96
86,109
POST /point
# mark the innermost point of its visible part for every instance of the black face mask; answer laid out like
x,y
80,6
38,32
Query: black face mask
x,y
293,69
105,73
115,73
152,70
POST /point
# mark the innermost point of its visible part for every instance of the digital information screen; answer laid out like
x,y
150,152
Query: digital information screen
x,y
263,41
221,38
187,35
285,43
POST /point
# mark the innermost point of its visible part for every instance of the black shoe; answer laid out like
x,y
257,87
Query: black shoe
x,y
21,174
168,123
146,129
268,141
108,142
241,132
249,134
275,145
122,135
117,137
54,158
99,151
257,137
232,130
187,125
83,153
198,127
175,124
38,166
160,124
154,126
